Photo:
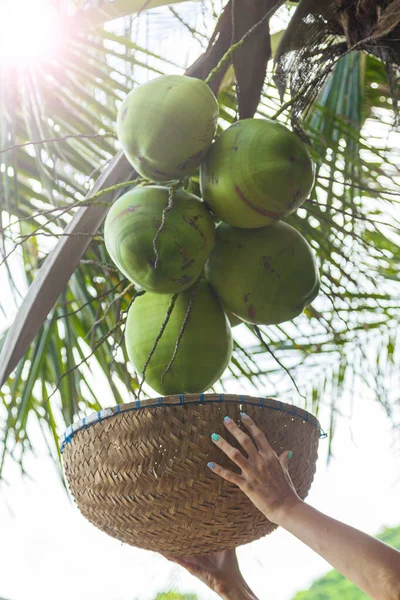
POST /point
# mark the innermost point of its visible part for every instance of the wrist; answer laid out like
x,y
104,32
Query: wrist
x,y
285,511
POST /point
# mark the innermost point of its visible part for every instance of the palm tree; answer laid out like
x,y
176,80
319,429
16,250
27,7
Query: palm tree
x,y
60,168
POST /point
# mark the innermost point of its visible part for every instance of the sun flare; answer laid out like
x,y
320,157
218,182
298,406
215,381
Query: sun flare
x,y
30,32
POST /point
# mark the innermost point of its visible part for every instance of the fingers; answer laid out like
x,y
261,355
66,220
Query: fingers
x,y
233,453
284,459
226,474
244,440
247,443
186,562
257,435
176,559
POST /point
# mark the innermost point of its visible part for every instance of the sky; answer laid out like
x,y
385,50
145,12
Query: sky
x,y
49,550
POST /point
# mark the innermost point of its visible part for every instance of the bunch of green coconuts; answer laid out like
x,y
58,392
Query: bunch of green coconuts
x,y
201,279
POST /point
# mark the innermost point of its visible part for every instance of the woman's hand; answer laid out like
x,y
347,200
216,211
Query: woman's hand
x,y
372,565
265,477
219,570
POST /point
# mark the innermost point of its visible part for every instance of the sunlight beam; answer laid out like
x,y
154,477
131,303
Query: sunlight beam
x,y
30,32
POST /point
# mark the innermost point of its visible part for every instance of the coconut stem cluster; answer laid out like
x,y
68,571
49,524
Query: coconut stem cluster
x,y
202,280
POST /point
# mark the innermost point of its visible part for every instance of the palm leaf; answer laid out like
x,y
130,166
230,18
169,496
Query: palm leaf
x,y
108,11
73,286
58,269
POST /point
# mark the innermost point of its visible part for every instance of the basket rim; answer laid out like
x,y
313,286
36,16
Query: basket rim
x,y
181,399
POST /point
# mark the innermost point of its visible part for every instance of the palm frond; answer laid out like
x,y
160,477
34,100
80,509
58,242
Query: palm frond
x,y
96,16
58,143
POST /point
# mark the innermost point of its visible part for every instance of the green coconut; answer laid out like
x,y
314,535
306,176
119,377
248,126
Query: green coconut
x,y
264,276
205,348
183,245
257,172
166,126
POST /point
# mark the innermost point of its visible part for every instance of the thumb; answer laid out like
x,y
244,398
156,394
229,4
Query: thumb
x,y
284,459
186,562
176,559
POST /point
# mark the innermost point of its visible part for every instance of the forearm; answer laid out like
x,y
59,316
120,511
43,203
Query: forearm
x,y
370,564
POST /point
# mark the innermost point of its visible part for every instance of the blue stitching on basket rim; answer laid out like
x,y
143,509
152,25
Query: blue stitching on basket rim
x,y
70,431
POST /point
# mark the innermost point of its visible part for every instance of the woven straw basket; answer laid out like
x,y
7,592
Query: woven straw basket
x,y
139,471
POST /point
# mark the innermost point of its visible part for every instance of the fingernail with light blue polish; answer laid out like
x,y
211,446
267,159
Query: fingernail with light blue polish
x,y
290,454
210,465
244,415
215,437
227,419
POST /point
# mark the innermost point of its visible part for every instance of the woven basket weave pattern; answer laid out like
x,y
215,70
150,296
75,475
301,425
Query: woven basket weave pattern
x,y
142,476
